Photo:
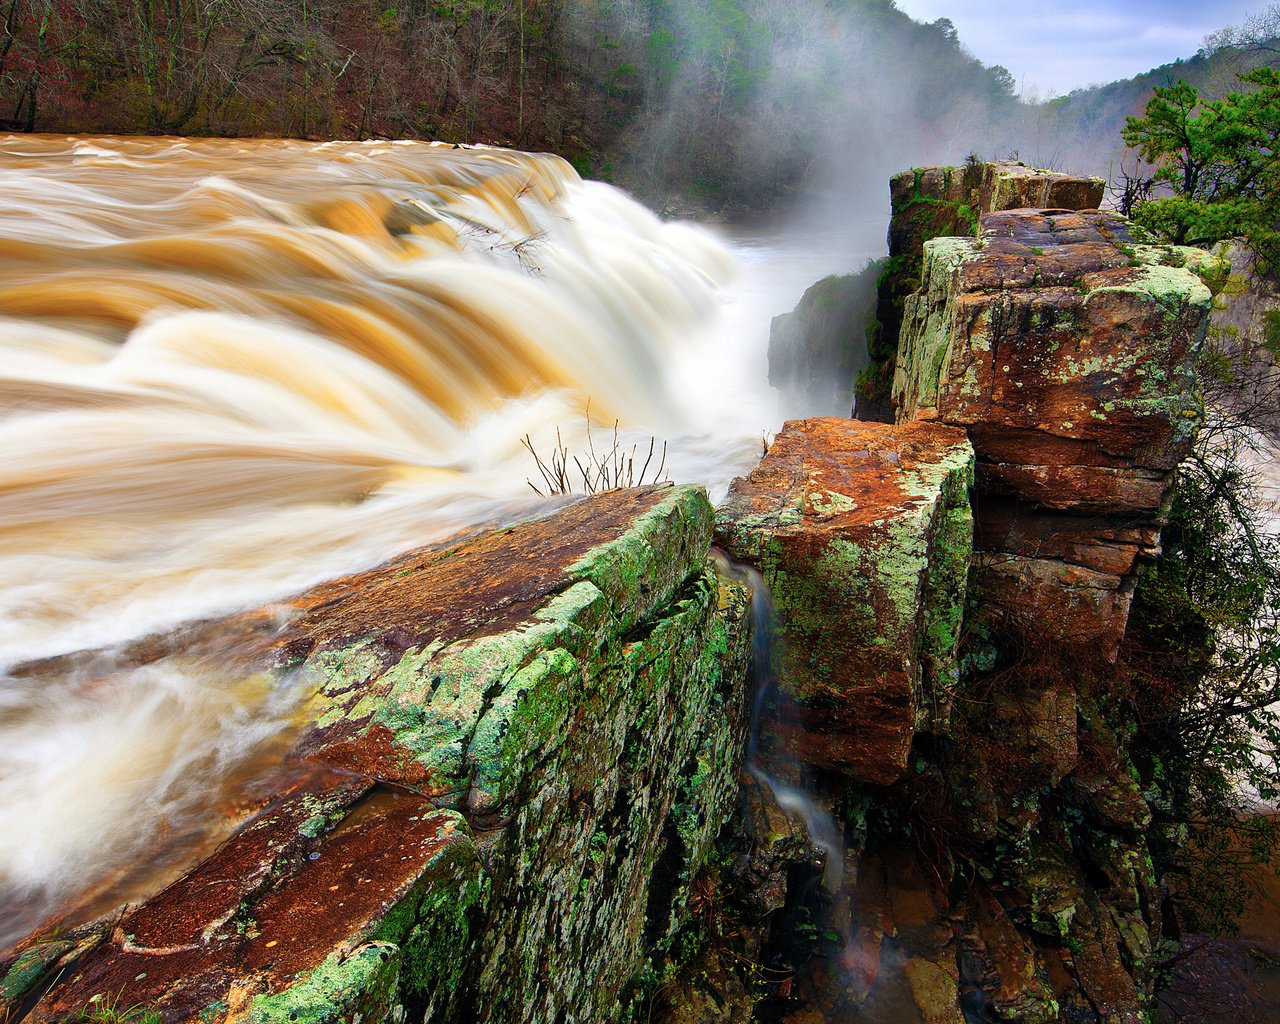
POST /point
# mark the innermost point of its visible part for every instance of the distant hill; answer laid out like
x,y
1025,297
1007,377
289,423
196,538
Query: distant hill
x,y
717,103
1087,123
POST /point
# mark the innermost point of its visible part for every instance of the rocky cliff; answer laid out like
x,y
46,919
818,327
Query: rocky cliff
x,y
818,350
517,790
1067,354
996,835
842,338
517,756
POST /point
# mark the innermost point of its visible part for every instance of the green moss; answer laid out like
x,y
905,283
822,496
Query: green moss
x,y
356,988
29,968
639,570
657,727
943,608
437,949
927,326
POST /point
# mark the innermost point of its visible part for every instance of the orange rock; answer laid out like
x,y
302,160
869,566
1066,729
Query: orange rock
x,y
863,532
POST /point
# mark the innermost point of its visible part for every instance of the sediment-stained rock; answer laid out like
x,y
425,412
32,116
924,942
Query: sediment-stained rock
x,y
1067,353
518,754
863,532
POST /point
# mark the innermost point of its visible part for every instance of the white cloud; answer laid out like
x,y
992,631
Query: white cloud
x,y
1064,48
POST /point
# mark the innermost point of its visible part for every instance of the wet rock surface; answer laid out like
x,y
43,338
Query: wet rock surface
x,y
1002,871
517,756
863,533
516,792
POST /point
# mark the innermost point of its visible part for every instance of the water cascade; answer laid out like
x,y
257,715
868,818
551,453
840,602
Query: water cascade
x,y
818,822
229,370
829,896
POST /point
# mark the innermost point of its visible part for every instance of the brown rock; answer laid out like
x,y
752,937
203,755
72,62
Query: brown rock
x,y
1067,352
862,530
335,914
573,686
933,202
1055,599
1005,964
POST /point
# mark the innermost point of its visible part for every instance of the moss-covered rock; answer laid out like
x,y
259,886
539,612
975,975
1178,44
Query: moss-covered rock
x,y
519,753
1067,353
939,202
863,532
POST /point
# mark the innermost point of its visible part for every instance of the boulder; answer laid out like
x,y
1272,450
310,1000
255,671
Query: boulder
x,y
518,754
1067,352
863,532
1012,185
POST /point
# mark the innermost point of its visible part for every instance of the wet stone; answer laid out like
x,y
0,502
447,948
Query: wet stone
x,y
863,532
519,752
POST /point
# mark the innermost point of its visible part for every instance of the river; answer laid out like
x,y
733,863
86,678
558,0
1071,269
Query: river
x,y
230,370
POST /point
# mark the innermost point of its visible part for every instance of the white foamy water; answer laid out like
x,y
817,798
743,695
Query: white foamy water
x,y
231,370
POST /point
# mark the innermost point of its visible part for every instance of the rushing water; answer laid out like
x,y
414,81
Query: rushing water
x,y
229,370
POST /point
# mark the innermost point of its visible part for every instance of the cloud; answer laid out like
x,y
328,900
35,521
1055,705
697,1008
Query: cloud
x,y
1057,50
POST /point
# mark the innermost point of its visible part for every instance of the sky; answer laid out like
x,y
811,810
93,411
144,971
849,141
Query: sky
x,y
1052,47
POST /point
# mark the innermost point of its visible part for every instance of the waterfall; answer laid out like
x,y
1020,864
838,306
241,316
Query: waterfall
x,y
819,824
232,369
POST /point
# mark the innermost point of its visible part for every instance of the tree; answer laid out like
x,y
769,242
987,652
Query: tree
x,y
1258,35
1218,161
1204,643
1205,630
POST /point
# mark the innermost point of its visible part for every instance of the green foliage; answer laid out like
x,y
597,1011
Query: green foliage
x,y
106,1010
1205,646
731,101
1220,161
1271,332
1205,629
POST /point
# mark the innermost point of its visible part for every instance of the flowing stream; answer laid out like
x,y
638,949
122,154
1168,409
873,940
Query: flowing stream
x,y
230,370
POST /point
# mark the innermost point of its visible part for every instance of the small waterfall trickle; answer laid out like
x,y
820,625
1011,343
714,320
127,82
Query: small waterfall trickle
x,y
820,825
838,967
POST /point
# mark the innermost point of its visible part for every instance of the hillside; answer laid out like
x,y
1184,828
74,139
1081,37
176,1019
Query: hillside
x,y
714,103
1087,122
716,98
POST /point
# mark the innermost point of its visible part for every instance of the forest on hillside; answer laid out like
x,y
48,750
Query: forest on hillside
x,y
738,101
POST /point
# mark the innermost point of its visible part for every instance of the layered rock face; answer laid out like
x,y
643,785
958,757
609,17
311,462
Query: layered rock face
x,y
1067,354
934,202
930,202
516,759
998,858
863,533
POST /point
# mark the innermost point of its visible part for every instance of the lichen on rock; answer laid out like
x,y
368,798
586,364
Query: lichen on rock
x,y
862,531
519,754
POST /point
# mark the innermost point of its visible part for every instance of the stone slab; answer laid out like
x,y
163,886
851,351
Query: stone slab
x,y
863,532
518,753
